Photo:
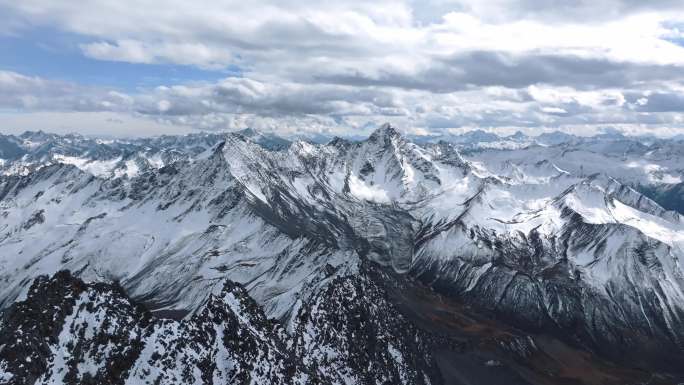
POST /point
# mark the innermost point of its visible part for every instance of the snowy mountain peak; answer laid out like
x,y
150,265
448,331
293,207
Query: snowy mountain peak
x,y
385,133
518,136
448,153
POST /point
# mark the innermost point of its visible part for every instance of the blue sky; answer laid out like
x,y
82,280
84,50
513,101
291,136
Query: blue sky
x,y
53,54
342,67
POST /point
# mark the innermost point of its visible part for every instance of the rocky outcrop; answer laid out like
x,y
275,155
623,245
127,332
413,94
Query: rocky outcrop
x,y
71,332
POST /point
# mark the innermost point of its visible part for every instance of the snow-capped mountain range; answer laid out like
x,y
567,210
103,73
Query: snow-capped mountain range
x,y
248,258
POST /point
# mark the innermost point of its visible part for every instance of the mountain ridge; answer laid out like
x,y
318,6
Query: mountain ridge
x,y
532,241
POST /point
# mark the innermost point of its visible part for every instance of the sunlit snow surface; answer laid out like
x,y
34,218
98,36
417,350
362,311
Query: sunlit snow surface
x,y
170,223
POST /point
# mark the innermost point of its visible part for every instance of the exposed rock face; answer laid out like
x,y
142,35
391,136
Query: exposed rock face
x,y
71,332
366,328
350,333
66,325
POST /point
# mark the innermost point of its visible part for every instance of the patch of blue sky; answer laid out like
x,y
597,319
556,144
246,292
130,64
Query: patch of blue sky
x,y
56,55
676,32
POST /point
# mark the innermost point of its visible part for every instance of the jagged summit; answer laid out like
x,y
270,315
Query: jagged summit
x,y
339,142
384,133
518,135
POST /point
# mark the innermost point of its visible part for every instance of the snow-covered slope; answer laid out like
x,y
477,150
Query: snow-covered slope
x,y
536,235
654,167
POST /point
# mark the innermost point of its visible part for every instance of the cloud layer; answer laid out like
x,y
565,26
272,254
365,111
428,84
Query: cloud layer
x,y
344,66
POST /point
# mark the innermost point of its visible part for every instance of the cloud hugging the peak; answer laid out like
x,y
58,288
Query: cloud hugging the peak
x,y
345,66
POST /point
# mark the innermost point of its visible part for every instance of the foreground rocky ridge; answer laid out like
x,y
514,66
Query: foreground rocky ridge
x,y
71,332
369,328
